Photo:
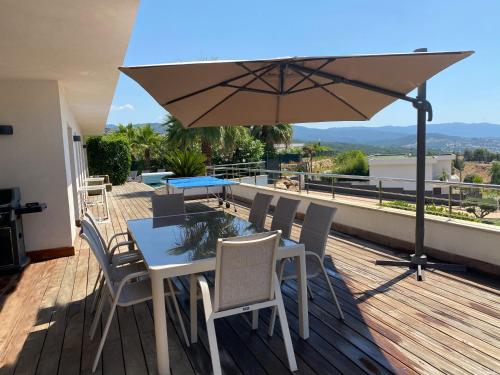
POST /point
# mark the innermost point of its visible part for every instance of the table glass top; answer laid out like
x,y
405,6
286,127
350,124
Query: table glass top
x,y
186,238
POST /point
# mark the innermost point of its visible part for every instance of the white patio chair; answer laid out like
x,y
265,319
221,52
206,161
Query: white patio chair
x,y
245,280
131,289
258,211
168,204
314,234
284,215
132,176
130,256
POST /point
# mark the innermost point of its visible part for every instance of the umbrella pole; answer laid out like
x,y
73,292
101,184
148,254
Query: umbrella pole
x,y
418,260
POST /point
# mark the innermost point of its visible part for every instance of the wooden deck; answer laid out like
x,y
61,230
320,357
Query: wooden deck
x,y
448,324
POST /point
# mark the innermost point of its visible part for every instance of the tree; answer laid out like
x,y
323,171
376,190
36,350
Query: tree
x,y
109,155
272,135
495,173
128,131
144,142
480,207
459,165
352,162
178,136
210,139
312,149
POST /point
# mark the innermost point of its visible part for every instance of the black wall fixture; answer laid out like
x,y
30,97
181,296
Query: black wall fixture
x,y
77,138
6,130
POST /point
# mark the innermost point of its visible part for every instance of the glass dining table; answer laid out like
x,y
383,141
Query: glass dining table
x,y
183,245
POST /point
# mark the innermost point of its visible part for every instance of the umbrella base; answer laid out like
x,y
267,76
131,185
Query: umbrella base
x,y
419,264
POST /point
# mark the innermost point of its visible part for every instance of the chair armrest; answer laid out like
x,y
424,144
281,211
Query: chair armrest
x,y
126,258
311,253
114,236
205,293
119,244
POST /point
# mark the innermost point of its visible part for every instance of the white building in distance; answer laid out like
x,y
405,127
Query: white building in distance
x,y
405,166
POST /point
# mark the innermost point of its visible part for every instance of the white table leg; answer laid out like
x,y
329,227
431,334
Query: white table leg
x,y
160,321
300,264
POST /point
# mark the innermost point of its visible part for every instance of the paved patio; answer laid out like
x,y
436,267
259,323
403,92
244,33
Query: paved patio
x,y
448,324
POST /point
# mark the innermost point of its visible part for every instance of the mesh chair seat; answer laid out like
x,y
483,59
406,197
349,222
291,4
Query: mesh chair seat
x,y
118,273
313,269
140,291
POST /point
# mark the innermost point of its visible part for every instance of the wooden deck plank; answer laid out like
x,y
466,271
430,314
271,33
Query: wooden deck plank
x,y
449,324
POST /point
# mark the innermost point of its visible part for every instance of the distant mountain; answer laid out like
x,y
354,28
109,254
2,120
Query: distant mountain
x,y
155,125
442,137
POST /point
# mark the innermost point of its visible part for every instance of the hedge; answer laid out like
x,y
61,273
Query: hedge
x,y
109,155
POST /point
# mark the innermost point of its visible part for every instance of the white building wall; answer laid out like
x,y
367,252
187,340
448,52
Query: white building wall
x,y
33,158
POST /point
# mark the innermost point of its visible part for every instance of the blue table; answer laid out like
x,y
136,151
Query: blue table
x,y
207,182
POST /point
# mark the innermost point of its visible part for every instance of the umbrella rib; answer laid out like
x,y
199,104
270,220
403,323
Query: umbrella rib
x,y
249,89
335,96
269,68
258,77
213,86
328,61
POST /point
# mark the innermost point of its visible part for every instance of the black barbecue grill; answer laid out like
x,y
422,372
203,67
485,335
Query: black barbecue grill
x,y
12,251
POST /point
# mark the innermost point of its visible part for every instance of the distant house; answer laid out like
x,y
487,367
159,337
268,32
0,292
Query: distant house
x,y
405,166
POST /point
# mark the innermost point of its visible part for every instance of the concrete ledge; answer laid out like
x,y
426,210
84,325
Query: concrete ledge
x,y
473,244
47,254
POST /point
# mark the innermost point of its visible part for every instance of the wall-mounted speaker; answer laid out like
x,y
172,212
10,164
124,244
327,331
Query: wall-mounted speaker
x,y
77,138
6,130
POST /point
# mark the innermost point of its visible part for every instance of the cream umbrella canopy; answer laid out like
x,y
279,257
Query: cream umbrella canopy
x,y
287,90
303,89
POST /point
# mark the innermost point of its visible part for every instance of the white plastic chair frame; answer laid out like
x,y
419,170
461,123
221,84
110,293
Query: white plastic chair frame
x,y
115,289
218,308
314,235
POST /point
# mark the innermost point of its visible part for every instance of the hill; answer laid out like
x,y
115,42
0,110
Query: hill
x,y
440,137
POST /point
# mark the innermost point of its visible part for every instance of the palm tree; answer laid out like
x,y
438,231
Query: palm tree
x,y
209,138
272,135
144,141
178,136
128,131
311,150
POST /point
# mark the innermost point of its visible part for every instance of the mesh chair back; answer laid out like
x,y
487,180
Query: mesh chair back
x,y
90,235
245,270
168,204
90,217
315,230
258,212
284,214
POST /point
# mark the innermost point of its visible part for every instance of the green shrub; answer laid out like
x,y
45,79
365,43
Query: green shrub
x,y
352,162
186,163
431,209
109,154
245,150
473,178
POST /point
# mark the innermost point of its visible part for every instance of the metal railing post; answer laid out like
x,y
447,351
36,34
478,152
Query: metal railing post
x,y
380,192
333,187
299,178
450,207
306,184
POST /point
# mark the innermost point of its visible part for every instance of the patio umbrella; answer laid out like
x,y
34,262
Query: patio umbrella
x,y
299,90
287,90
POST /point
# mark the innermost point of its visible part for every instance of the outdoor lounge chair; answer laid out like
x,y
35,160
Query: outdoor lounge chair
x,y
314,234
245,280
258,211
284,215
168,204
127,289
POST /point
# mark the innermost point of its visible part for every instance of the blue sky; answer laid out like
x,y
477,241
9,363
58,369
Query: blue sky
x,y
170,31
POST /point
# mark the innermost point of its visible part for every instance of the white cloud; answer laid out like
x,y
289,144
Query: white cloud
x,y
128,107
